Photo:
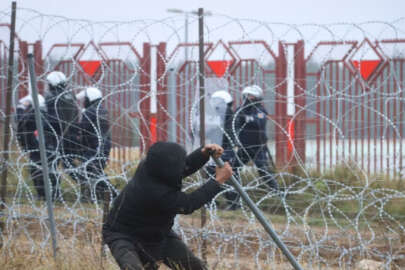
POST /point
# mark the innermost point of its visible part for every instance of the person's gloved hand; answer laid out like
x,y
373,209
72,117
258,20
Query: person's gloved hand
x,y
215,149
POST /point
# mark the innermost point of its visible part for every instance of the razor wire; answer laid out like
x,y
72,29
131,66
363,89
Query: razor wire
x,y
326,220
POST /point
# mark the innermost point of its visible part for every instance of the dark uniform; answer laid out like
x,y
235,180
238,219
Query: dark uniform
x,y
138,229
61,133
26,136
96,145
62,112
250,124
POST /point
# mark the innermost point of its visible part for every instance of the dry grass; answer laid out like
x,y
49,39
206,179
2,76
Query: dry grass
x,y
87,256
82,250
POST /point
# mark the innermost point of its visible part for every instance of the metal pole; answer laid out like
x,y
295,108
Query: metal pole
x,y
201,74
6,138
201,70
256,211
44,161
187,85
106,199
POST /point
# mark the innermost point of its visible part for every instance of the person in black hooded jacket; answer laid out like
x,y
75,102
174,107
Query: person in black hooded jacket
x,y
138,229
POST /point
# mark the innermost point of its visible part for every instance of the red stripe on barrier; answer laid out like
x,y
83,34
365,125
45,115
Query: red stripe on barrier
x,y
153,132
291,135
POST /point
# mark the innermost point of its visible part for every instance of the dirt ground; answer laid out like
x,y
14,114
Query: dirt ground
x,y
28,248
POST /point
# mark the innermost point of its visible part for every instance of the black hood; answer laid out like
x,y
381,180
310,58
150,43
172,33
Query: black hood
x,y
166,161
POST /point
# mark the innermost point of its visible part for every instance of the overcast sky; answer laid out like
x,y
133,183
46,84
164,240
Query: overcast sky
x,y
286,11
298,12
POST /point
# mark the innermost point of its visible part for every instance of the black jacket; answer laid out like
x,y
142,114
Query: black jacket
x,y
228,138
26,128
62,117
250,124
95,131
146,208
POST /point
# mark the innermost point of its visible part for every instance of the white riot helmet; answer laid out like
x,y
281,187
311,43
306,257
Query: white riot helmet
x,y
223,94
56,81
91,93
253,90
27,100
219,102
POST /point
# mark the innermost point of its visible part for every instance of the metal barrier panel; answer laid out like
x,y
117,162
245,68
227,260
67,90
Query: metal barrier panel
x,y
118,79
353,118
343,116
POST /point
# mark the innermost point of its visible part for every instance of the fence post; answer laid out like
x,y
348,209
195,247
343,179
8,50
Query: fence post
x,y
44,161
6,136
23,88
39,64
161,95
281,106
172,108
300,102
201,79
144,105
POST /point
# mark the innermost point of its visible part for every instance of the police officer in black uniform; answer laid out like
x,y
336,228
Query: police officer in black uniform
x,y
250,125
95,142
27,136
61,131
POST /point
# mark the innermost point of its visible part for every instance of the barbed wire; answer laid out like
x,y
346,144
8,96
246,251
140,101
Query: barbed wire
x,y
336,204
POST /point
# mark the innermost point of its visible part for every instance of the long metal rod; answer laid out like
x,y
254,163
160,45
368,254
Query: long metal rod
x,y
258,214
201,76
44,161
106,199
6,133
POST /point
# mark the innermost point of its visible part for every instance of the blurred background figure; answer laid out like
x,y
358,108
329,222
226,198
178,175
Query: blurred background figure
x,y
221,132
95,143
61,133
250,125
27,136
222,102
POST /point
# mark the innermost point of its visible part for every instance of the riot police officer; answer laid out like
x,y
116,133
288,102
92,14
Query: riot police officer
x,y
95,142
27,136
61,131
250,125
